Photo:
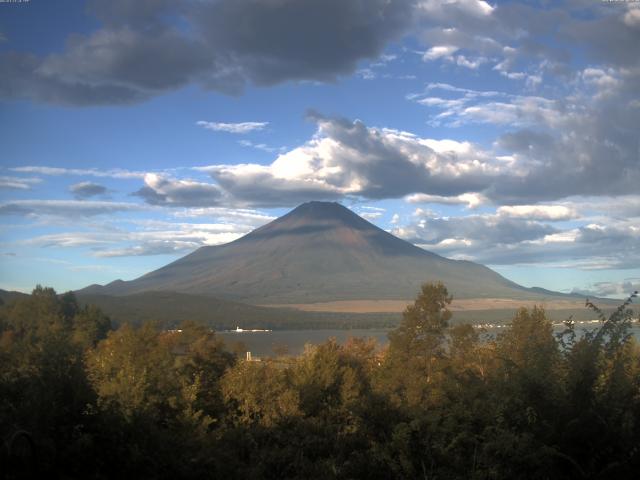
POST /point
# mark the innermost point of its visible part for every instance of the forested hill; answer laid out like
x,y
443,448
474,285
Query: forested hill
x,y
7,296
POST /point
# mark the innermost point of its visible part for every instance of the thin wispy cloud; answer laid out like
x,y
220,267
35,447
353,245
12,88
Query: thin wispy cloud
x,y
238,128
155,238
90,172
539,212
18,183
65,208
258,146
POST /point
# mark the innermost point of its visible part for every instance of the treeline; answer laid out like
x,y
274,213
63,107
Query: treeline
x,y
81,400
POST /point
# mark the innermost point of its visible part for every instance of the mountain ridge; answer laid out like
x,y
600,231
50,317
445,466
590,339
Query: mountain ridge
x,y
319,251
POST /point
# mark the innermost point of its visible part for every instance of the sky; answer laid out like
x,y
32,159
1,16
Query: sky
x,y
506,133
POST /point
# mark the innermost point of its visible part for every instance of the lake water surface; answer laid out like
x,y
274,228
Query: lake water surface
x,y
265,344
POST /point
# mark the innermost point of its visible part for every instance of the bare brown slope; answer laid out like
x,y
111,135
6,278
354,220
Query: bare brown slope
x,y
458,305
319,252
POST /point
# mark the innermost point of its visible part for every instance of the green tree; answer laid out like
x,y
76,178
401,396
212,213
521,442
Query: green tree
x,y
260,393
421,332
201,360
601,416
43,387
132,373
417,348
90,325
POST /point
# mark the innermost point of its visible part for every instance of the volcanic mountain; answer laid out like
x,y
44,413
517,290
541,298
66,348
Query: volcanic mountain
x,y
318,252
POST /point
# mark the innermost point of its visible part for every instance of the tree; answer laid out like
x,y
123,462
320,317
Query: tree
x,y
421,332
132,373
602,382
529,343
260,393
90,325
43,386
417,345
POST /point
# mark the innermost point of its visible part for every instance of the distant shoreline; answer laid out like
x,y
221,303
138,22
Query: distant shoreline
x,y
397,306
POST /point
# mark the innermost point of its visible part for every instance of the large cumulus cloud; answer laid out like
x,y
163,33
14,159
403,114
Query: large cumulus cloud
x,y
348,158
147,47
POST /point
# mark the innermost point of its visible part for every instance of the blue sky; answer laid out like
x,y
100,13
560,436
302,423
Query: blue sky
x,y
505,133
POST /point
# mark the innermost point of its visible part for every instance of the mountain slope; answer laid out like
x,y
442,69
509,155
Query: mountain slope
x,y
319,251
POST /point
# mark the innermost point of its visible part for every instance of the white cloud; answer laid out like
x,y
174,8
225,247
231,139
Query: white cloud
x,y
71,239
449,146
91,268
610,289
65,208
632,17
371,215
440,8
440,102
568,236
239,128
447,53
600,77
439,51
539,212
154,238
92,172
258,146
471,200
349,159
472,106
497,239
165,247
232,215
18,183
472,64
366,74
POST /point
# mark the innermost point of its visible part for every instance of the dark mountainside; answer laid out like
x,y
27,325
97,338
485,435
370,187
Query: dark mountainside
x,y
319,251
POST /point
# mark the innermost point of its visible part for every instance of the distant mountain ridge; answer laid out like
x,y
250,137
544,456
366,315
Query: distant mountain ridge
x,y
320,251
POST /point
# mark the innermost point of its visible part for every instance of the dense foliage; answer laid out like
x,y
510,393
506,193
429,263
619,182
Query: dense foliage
x,y
80,400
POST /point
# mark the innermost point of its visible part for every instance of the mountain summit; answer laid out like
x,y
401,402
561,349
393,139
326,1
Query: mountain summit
x,y
329,225
320,251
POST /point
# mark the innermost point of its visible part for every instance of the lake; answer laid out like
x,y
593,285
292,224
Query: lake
x,y
264,344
